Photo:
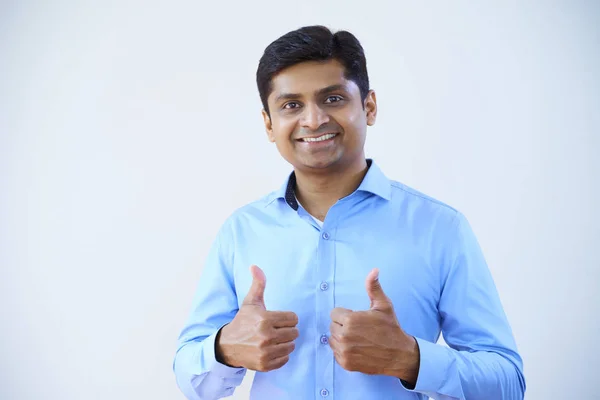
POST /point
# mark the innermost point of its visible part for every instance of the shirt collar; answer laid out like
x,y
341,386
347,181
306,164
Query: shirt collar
x,y
374,182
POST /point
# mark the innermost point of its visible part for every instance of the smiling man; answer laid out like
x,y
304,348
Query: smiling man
x,y
339,284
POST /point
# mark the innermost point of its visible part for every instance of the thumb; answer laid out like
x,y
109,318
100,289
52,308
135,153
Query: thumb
x,y
379,301
256,294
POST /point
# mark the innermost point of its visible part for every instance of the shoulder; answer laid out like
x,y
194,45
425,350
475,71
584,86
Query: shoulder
x,y
260,209
419,204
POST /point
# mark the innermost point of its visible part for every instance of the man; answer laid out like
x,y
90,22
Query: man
x,y
339,284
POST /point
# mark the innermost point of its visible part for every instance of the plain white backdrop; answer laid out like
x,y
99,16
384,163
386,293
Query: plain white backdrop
x,y
130,130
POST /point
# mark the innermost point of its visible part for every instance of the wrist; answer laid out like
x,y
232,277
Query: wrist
x,y
407,362
223,353
414,361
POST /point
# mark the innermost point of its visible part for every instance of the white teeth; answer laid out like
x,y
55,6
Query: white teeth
x,y
320,138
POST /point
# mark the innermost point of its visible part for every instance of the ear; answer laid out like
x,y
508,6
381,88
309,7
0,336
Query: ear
x,y
371,107
268,126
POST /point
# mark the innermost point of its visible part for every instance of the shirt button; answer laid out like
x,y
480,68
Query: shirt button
x,y
325,235
324,286
324,339
324,392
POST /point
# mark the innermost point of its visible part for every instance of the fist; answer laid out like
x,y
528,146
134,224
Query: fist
x,y
257,339
372,341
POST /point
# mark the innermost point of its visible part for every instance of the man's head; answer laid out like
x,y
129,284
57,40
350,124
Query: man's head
x,y
312,83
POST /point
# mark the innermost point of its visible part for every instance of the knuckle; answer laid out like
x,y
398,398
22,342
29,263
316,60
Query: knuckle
x,y
266,368
346,353
348,365
294,318
263,324
354,319
343,338
343,361
334,340
291,347
282,362
343,351
347,320
259,368
263,360
388,307
263,343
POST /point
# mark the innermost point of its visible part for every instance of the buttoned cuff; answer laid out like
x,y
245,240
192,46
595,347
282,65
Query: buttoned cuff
x,y
434,365
215,367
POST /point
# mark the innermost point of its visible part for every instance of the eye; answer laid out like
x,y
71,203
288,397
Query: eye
x,y
291,105
333,99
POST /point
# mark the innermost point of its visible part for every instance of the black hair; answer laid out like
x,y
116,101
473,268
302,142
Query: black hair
x,y
312,43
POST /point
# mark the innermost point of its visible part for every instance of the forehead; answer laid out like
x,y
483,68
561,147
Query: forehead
x,y
308,77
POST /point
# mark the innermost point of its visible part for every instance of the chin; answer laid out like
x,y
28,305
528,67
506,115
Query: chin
x,y
316,164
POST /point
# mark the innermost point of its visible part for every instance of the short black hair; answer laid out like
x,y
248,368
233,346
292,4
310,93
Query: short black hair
x,y
312,43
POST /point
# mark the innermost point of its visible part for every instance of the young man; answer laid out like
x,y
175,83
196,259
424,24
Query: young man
x,y
291,286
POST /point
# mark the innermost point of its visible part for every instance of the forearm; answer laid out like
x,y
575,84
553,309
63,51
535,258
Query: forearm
x,y
482,359
446,373
200,376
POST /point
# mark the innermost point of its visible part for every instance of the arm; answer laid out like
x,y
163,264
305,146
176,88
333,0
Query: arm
x,y
198,373
482,361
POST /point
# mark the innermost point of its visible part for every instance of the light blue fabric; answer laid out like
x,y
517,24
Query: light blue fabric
x,y
431,267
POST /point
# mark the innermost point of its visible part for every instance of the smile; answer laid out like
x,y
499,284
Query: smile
x,y
327,136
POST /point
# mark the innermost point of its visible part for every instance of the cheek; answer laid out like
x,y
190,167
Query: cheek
x,y
282,130
352,118
355,128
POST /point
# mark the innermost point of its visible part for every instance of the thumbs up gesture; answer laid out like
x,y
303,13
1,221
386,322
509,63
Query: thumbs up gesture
x,y
372,341
257,339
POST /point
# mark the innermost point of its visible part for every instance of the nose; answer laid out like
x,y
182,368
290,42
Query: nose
x,y
313,117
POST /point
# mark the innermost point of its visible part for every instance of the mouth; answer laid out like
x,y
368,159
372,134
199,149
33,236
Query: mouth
x,y
322,138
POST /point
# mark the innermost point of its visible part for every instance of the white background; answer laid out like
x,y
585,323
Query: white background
x,y
130,131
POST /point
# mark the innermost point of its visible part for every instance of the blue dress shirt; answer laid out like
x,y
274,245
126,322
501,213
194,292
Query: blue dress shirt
x,y
431,267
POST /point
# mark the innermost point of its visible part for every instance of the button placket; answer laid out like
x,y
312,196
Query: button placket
x,y
325,303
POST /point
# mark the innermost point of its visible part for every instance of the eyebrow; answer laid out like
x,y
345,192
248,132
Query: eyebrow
x,y
320,92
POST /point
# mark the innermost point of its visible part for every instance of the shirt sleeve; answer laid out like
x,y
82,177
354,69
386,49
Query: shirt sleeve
x,y
481,361
198,373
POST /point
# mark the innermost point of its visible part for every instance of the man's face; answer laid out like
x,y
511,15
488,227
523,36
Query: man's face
x,y
318,120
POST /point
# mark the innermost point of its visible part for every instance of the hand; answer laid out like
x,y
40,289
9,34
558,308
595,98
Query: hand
x,y
257,339
372,342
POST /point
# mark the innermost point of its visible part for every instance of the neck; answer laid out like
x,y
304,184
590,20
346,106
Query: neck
x,y
318,191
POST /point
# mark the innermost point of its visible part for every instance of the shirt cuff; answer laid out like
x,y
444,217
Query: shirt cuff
x,y
215,367
434,365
